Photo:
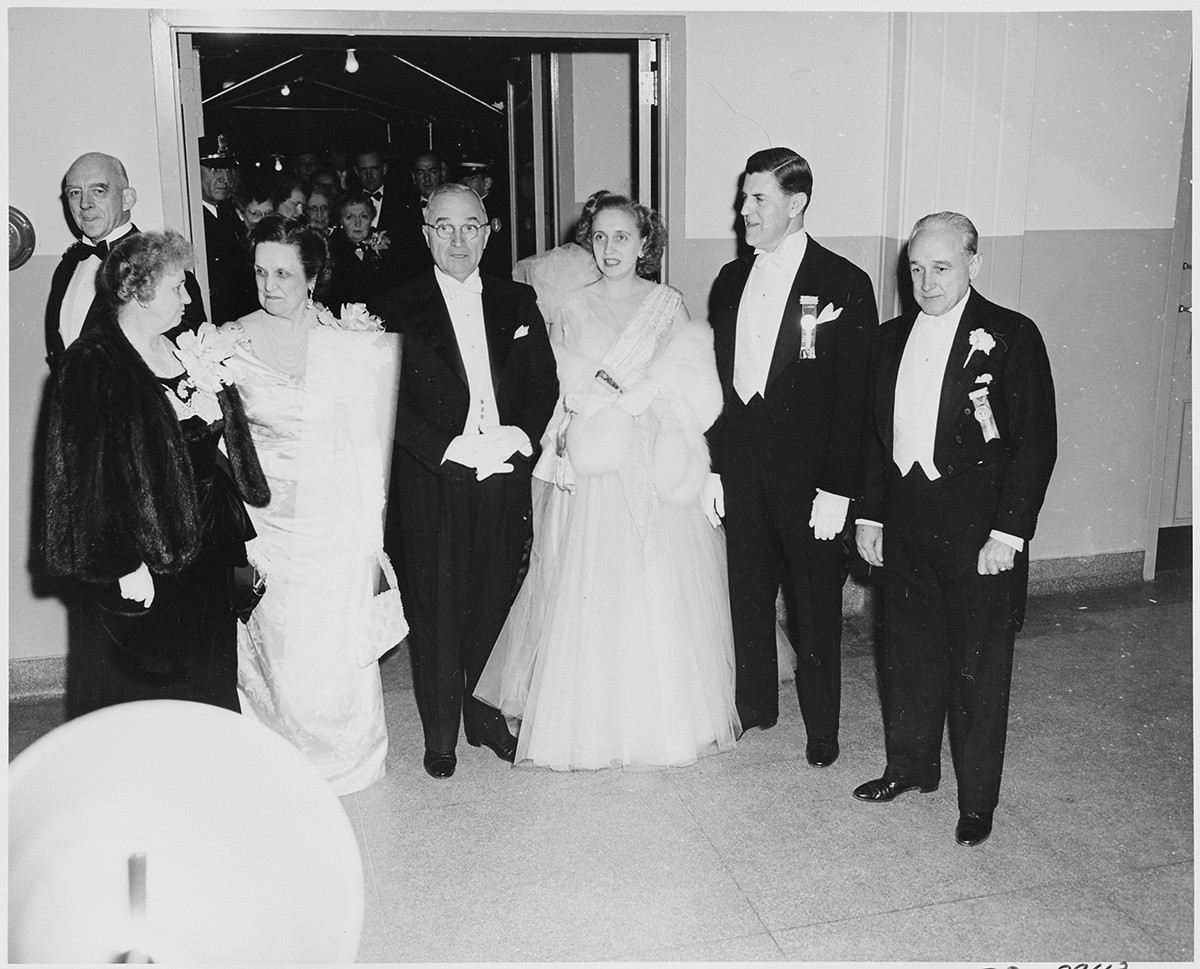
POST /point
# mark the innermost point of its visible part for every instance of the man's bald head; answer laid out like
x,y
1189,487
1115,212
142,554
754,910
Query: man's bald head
x,y
97,190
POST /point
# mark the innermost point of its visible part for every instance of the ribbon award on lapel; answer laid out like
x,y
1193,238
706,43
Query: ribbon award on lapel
x,y
983,414
808,328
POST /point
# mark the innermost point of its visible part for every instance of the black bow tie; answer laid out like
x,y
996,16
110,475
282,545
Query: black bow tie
x,y
84,251
377,196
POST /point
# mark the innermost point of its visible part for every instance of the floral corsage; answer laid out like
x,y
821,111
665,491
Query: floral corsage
x,y
354,316
204,355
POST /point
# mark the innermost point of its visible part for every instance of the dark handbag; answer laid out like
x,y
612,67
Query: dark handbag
x,y
249,587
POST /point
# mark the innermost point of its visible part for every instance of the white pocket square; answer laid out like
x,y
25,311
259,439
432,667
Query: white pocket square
x,y
521,331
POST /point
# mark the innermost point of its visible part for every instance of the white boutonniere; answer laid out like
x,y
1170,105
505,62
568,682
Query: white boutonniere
x,y
354,316
829,314
982,341
204,355
984,378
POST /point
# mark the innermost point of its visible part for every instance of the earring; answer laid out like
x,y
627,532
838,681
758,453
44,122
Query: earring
x,y
309,304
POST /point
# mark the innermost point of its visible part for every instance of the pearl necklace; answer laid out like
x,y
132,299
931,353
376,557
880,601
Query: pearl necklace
x,y
290,355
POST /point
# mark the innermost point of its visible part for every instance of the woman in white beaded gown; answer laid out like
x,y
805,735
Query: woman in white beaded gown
x,y
316,397
619,649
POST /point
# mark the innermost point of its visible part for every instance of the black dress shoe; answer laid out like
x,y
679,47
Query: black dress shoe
x,y
505,749
822,752
887,790
440,765
973,827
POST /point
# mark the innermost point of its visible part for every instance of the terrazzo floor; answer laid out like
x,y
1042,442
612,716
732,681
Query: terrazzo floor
x,y
755,856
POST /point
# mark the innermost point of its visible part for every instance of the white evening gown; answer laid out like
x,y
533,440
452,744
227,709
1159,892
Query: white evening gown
x,y
321,440
616,652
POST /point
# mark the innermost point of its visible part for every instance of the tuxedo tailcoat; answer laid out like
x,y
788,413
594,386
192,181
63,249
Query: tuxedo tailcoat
x,y
231,285
773,453
402,218
949,630
460,542
193,313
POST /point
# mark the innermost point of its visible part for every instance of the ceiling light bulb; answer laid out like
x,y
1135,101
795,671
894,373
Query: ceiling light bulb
x,y
285,90
278,164
351,61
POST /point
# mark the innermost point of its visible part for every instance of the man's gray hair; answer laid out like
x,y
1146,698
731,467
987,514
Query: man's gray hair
x,y
949,220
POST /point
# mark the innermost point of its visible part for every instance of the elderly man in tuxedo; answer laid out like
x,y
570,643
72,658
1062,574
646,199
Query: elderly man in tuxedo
x,y
478,385
99,196
955,469
792,326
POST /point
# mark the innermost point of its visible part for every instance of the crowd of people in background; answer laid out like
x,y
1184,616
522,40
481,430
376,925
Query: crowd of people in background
x,y
367,204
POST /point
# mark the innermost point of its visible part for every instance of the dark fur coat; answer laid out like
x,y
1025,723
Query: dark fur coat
x,y
119,484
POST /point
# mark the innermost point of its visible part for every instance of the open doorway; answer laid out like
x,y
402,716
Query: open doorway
x,y
560,108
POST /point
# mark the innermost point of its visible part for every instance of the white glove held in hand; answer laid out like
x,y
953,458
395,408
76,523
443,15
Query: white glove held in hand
x,y
138,586
488,452
828,514
713,500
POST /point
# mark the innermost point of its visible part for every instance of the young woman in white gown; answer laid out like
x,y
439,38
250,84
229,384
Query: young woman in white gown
x,y
316,397
619,649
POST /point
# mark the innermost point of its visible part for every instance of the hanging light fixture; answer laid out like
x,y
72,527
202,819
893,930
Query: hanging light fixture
x,y
351,61
285,90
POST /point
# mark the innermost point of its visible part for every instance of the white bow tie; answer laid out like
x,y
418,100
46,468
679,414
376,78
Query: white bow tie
x,y
454,288
764,258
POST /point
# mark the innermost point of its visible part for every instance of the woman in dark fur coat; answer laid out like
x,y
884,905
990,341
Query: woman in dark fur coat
x,y
142,508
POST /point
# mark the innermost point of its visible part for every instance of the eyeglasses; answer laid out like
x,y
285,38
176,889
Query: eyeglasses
x,y
445,230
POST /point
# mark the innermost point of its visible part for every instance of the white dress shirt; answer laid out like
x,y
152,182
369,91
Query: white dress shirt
x,y
465,303
378,203
919,389
81,290
919,395
760,313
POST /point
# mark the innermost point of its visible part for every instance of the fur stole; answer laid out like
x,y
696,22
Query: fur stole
x,y
600,437
119,483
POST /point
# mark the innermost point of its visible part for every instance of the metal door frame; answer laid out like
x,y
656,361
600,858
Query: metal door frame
x,y
173,102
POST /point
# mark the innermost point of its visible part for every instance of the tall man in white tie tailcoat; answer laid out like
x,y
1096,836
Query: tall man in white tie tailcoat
x,y
961,444
793,326
478,385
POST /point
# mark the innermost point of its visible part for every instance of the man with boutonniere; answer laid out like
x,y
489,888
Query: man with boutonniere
x,y
792,332
959,453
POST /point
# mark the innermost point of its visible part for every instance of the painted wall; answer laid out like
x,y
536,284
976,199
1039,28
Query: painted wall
x,y
55,114
1110,95
1059,133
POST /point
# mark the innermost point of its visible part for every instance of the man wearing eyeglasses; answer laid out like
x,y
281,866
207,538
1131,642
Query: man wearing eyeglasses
x,y
477,387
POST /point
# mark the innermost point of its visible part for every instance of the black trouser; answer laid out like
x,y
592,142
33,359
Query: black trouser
x,y
461,543
949,637
769,541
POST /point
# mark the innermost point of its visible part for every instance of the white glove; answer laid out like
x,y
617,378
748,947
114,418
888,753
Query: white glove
x,y
487,452
510,439
713,500
828,515
585,405
641,395
138,586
